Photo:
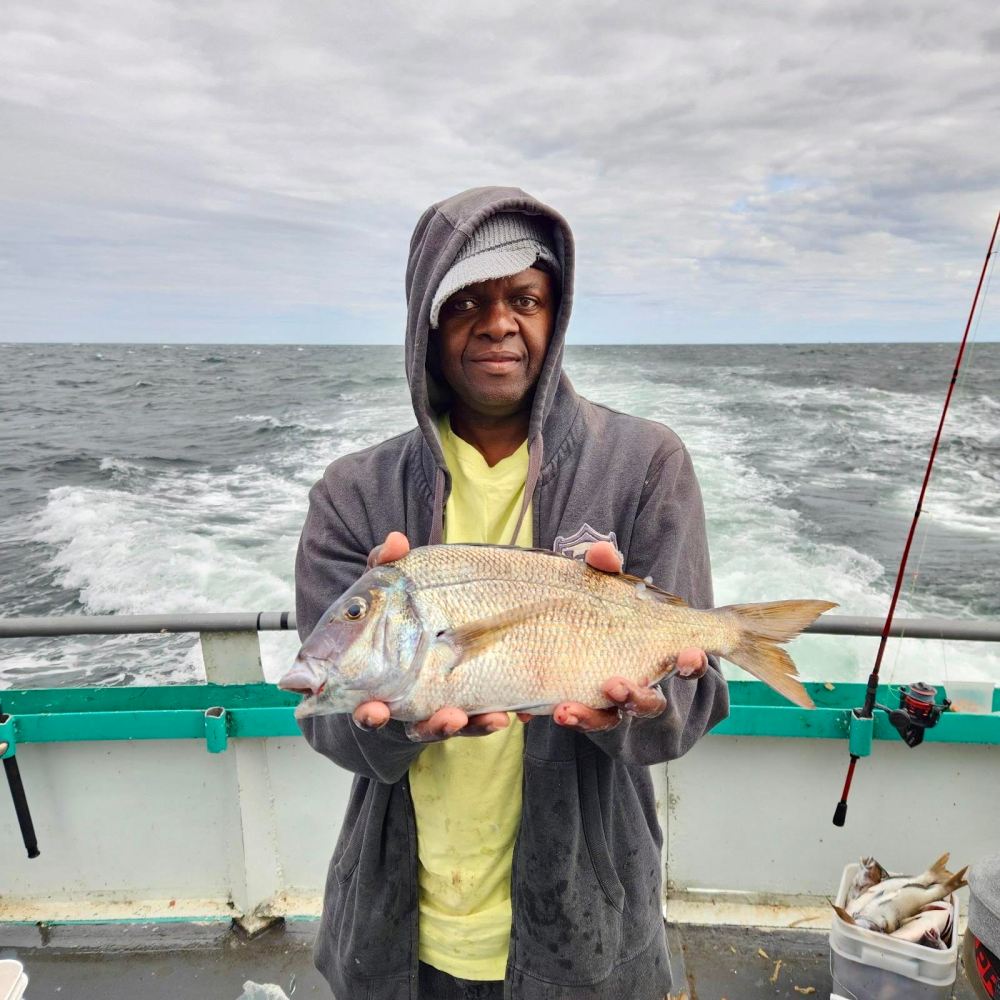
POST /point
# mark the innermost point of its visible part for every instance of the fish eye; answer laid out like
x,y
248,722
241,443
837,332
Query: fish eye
x,y
356,609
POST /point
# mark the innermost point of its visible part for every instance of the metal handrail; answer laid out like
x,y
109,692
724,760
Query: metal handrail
x,y
974,630
240,621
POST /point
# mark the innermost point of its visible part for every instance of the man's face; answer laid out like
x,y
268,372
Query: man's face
x,y
492,338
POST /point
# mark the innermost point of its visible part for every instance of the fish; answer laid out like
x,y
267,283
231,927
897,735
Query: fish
x,y
936,918
934,939
869,873
490,628
887,887
885,906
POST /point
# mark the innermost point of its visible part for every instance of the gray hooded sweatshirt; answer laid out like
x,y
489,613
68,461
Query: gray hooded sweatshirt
x,y
586,884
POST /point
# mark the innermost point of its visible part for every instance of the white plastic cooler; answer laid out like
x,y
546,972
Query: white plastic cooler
x,y
867,965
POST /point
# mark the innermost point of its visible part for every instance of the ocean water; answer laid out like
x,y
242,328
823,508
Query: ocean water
x,y
156,479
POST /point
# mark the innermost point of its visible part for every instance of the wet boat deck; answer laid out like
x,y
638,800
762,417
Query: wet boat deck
x,y
212,962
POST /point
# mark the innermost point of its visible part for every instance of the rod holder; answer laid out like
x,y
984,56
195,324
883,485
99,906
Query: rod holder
x,y
216,729
860,735
8,739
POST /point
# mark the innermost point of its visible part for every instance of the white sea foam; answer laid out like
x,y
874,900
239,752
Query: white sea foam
x,y
199,541
759,552
189,543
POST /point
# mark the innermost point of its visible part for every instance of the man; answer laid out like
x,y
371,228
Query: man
x,y
524,862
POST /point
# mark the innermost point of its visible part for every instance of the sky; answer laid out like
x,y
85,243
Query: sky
x,y
250,171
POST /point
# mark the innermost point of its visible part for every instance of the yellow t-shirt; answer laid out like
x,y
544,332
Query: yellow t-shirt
x,y
467,791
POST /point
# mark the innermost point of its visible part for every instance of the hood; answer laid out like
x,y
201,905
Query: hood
x,y
436,241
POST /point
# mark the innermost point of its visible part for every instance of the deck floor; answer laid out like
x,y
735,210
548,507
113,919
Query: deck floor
x,y
211,962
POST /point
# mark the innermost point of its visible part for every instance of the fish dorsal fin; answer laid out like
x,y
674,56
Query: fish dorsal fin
x,y
653,591
476,636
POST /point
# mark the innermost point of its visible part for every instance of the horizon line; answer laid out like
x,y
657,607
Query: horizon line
x,y
594,343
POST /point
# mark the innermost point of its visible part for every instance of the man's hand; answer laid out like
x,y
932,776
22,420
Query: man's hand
x,y
628,698
445,722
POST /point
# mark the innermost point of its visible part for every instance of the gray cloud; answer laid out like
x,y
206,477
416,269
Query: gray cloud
x,y
172,170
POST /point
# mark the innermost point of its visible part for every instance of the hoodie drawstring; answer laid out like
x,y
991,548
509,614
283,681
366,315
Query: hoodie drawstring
x,y
437,511
535,450
535,453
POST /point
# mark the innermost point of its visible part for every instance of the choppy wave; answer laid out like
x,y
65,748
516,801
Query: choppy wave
x,y
191,499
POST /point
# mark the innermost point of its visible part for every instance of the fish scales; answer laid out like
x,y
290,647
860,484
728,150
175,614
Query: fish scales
x,y
567,651
489,628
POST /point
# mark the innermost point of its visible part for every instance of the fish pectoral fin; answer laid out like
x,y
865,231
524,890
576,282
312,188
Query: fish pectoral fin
x,y
653,591
843,914
474,637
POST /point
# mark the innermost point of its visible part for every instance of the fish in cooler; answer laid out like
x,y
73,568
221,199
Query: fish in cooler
x,y
889,903
869,873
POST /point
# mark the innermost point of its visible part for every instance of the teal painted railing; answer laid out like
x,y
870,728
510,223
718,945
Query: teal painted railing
x,y
217,713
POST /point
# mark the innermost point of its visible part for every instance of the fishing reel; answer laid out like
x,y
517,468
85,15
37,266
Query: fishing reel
x,y
917,712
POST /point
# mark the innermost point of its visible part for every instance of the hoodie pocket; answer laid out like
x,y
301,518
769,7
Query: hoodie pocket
x,y
568,900
369,901
347,853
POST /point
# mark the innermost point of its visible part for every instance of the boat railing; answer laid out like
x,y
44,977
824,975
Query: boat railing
x,y
173,832
973,630
244,704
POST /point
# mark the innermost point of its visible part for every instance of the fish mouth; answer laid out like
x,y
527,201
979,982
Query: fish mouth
x,y
307,676
307,693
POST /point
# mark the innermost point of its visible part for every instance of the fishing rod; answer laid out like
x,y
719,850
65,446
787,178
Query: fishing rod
x,y
917,711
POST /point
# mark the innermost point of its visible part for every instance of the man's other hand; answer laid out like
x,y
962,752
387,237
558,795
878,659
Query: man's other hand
x,y
443,724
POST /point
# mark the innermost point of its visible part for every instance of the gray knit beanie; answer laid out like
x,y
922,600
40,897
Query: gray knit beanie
x,y
503,245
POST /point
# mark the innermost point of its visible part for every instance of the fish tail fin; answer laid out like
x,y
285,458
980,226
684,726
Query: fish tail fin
x,y
957,881
940,867
762,626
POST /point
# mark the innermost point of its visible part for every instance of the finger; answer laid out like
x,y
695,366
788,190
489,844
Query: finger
x,y
485,723
395,546
647,703
525,717
605,557
638,700
445,722
692,663
371,715
573,715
